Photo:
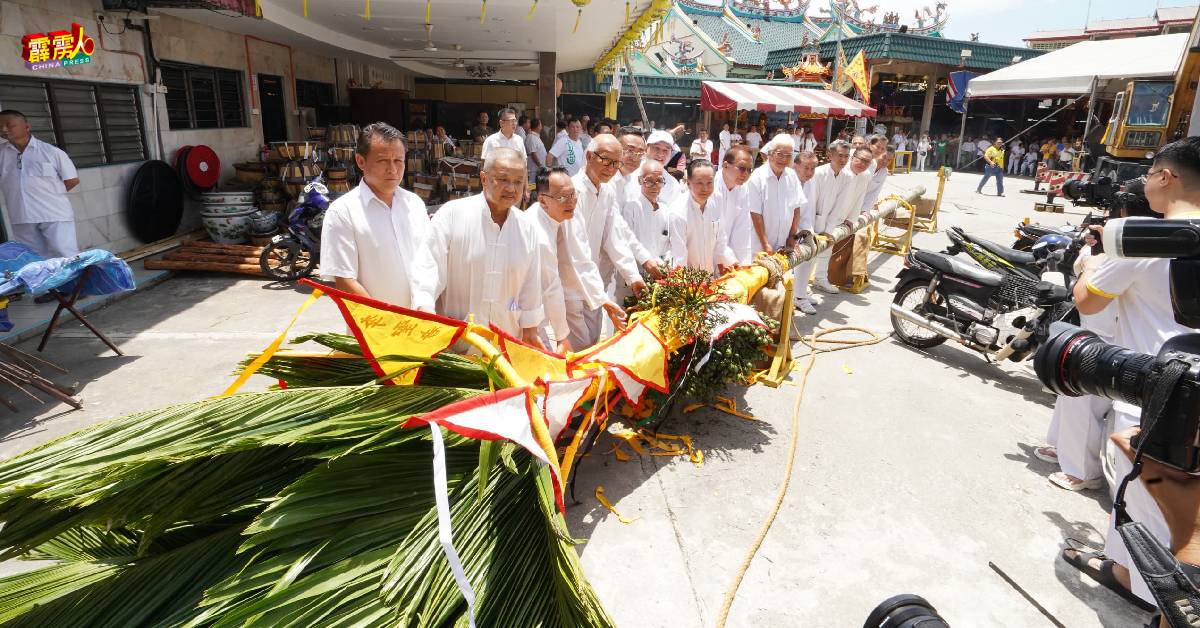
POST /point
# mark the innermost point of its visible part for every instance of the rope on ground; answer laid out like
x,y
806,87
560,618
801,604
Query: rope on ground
x,y
814,343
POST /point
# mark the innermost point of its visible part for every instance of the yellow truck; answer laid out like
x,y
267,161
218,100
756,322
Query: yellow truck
x,y
1151,113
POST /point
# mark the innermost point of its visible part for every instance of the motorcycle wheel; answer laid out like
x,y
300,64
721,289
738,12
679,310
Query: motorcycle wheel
x,y
286,260
910,298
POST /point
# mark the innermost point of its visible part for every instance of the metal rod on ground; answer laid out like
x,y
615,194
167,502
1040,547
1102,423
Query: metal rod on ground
x,y
885,209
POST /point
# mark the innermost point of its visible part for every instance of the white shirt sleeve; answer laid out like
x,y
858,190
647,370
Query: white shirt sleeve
x,y
339,251
722,253
677,235
640,254
1115,276
559,149
806,209
429,271
754,195
66,168
553,300
529,295
617,248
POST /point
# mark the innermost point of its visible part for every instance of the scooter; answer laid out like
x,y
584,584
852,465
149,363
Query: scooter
x,y
296,252
1002,315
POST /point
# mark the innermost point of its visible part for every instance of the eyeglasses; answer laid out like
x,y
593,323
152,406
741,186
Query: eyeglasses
x,y
503,120
606,162
652,182
742,169
781,154
1151,173
562,200
633,152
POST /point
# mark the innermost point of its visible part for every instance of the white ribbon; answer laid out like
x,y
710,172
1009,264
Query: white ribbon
x,y
445,535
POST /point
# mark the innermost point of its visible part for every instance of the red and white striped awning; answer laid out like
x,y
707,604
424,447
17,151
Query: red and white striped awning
x,y
721,96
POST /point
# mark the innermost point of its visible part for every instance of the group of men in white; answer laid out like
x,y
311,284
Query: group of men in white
x,y
552,274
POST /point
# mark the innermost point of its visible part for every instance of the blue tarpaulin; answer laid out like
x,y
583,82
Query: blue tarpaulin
x,y
23,271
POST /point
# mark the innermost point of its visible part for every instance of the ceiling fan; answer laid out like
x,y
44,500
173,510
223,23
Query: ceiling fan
x,y
429,45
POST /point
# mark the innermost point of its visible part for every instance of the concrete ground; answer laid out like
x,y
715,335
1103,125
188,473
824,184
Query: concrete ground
x,y
913,470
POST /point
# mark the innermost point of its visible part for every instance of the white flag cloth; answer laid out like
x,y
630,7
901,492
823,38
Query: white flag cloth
x,y
560,400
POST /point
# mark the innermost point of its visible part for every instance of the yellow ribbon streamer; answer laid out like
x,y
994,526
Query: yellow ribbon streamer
x,y
305,8
367,10
578,15
428,9
604,502
271,348
257,9
531,10
483,12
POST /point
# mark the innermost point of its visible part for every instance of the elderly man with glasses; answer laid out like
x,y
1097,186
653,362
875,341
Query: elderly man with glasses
x,y
571,282
775,197
647,218
829,185
482,258
606,233
659,147
633,151
506,137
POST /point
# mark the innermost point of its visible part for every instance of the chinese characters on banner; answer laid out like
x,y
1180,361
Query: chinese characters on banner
x,y
57,49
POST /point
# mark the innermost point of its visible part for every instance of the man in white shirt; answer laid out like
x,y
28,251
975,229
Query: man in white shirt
x,y
775,197
1140,291
506,137
1015,152
831,185
702,147
798,134
567,150
647,218
725,139
34,179
371,236
878,173
694,227
633,151
482,259
659,147
535,149
523,126
571,282
606,233
732,198
753,142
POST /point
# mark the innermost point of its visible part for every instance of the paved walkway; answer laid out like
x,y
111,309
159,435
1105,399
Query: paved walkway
x,y
914,471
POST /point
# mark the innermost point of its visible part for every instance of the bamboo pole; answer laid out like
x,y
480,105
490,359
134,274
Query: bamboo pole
x,y
209,256
885,209
232,248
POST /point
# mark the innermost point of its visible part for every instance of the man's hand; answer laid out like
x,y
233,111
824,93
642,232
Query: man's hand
x,y
638,287
1177,495
564,347
615,314
652,269
529,336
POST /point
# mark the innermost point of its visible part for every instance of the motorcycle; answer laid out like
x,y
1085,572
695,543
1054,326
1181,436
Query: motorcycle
x,y
1027,234
296,252
999,314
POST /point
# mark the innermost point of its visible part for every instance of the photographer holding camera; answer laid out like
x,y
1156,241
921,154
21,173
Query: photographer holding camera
x,y
1140,292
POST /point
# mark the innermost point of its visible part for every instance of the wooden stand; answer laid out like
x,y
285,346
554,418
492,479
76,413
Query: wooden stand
x,y
927,221
68,303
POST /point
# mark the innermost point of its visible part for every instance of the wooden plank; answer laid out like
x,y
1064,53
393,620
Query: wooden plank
x,y
242,269
159,246
243,249
188,256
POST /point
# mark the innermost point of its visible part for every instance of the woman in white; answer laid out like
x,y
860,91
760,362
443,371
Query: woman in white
x,y
922,151
694,225
1015,152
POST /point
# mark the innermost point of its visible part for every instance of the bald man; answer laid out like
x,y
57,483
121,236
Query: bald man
x,y
483,259
605,230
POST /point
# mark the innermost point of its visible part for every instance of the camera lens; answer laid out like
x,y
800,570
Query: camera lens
x,y
1074,189
1076,362
905,611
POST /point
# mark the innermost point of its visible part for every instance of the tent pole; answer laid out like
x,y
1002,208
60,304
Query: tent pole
x,y
1087,126
962,130
637,94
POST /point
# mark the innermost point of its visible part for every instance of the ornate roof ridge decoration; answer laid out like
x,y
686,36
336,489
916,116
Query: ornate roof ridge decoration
x,y
749,9
851,14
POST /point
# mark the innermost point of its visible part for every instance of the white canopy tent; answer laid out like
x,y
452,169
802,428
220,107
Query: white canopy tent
x,y
1072,70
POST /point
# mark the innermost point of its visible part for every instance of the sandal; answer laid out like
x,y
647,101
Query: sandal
x,y
1104,574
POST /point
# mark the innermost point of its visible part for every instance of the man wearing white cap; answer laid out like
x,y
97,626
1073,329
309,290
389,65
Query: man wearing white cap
x,y
776,199
658,147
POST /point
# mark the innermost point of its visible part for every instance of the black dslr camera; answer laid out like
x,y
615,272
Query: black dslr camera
x,y
1126,198
1075,362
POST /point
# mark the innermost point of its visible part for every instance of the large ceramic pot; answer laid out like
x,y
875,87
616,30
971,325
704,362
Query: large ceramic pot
x,y
227,228
230,208
263,221
230,197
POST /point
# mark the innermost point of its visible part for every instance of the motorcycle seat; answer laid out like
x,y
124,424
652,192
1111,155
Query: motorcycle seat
x,y
1013,256
954,266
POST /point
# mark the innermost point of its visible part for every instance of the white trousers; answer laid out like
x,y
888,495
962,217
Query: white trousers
x,y
921,160
1077,432
821,265
1013,166
48,239
1138,503
585,325
802,274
